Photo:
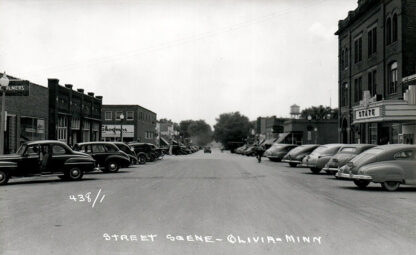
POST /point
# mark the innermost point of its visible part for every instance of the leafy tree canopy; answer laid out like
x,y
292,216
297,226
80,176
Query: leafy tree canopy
x,y
231,127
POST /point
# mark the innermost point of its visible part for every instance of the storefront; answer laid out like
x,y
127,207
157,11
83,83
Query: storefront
x,y
386,121
111,133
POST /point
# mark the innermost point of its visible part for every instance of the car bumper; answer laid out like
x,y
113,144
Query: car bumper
x,y
292,161
354,176
330,169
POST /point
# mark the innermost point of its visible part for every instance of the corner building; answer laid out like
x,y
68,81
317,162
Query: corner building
x,y
377,64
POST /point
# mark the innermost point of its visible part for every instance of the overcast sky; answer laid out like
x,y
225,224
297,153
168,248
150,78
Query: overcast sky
x,y
183,59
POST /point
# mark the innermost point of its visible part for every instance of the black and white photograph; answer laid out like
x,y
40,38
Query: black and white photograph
x,y
207,127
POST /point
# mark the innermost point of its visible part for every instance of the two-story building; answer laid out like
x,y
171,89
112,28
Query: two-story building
x,y
128,123
377,51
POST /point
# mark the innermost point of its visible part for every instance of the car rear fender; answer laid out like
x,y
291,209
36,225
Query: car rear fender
x,y
118,158
383,171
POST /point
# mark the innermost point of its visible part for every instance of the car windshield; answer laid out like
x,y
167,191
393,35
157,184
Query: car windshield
x,y
362,157
319,150
21,149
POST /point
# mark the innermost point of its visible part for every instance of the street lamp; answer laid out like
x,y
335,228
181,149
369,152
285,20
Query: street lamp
x,y
121,127
4,82
309,128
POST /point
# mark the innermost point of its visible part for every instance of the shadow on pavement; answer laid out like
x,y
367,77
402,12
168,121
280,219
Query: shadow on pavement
x,y
54,181
379,189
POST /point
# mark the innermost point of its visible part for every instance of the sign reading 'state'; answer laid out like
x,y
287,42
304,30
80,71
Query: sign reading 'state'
x,y
373,112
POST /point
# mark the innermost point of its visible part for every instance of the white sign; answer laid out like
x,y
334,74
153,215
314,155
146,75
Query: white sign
x,y
114,131
369,113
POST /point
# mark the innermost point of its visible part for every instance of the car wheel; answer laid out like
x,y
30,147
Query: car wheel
x,y
142,159
112,166
293,164
361,184
4,177
391,185
315,170
73,174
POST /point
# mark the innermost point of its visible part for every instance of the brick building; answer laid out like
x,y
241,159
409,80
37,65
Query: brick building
x,y
73,115
269,127
377,53
139,123
27,114
302,131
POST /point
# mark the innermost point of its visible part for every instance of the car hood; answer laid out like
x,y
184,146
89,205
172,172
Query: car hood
x,y
10,157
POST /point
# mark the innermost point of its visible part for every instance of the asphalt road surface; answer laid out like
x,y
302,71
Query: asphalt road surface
x,y
217,203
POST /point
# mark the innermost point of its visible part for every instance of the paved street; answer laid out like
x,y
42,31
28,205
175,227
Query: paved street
x,y
215,202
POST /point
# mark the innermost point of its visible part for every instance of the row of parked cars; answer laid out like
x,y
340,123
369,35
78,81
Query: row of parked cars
x,y
55,157
390,165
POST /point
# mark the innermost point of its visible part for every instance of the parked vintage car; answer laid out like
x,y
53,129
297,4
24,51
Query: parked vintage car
x,y
320,156
345,154
278,150
296,155
250,151
45,157
147,149
207,149
240,149
129,151
108,156
390,165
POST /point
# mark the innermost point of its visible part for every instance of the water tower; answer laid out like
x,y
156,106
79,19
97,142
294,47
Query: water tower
x,y
295,111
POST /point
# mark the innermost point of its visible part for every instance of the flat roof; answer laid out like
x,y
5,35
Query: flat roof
x,y
126,105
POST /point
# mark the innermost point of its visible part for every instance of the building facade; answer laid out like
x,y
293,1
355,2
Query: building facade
x,y
302,131
138,124
269,127
27,113
73,115
377,54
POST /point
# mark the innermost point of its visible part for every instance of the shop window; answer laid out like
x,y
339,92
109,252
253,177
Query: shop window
x,y
108,115
130,116
32,129
392,78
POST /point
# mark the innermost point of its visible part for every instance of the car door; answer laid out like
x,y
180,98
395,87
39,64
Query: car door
x,y
30,163
406,160
99,153
58,159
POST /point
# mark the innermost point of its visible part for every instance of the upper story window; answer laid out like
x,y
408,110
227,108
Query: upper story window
x,y
108,116
358,89
344,94
392,78
388,31
130,115
342,59
372,82
358,49
394,28
118,114
372,41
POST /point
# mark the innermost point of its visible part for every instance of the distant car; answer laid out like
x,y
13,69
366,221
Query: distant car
x,y
207,149
320,156
278,150
45,157
296,155
129,151
345,154
390,165
108,156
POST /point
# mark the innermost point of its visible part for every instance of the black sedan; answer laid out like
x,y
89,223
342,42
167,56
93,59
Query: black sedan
x,y
45,157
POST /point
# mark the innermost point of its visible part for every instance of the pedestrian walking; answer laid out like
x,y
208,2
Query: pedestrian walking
x,y
259,152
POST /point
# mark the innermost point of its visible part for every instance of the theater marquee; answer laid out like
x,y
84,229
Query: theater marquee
x,y
373,112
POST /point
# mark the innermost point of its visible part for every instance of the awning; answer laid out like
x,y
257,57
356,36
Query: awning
x,y
163,140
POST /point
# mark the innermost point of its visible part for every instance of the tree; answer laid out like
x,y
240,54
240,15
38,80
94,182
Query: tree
x,y
319,113
197,130
231,127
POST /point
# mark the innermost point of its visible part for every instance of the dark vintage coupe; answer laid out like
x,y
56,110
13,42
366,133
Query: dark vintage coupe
x,y
296,155
345,154
278,150
390,165
129,151
108,156
320,156
44,158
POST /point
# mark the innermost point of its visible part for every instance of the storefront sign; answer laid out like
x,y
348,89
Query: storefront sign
x,y
18,88
369,113
115,131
